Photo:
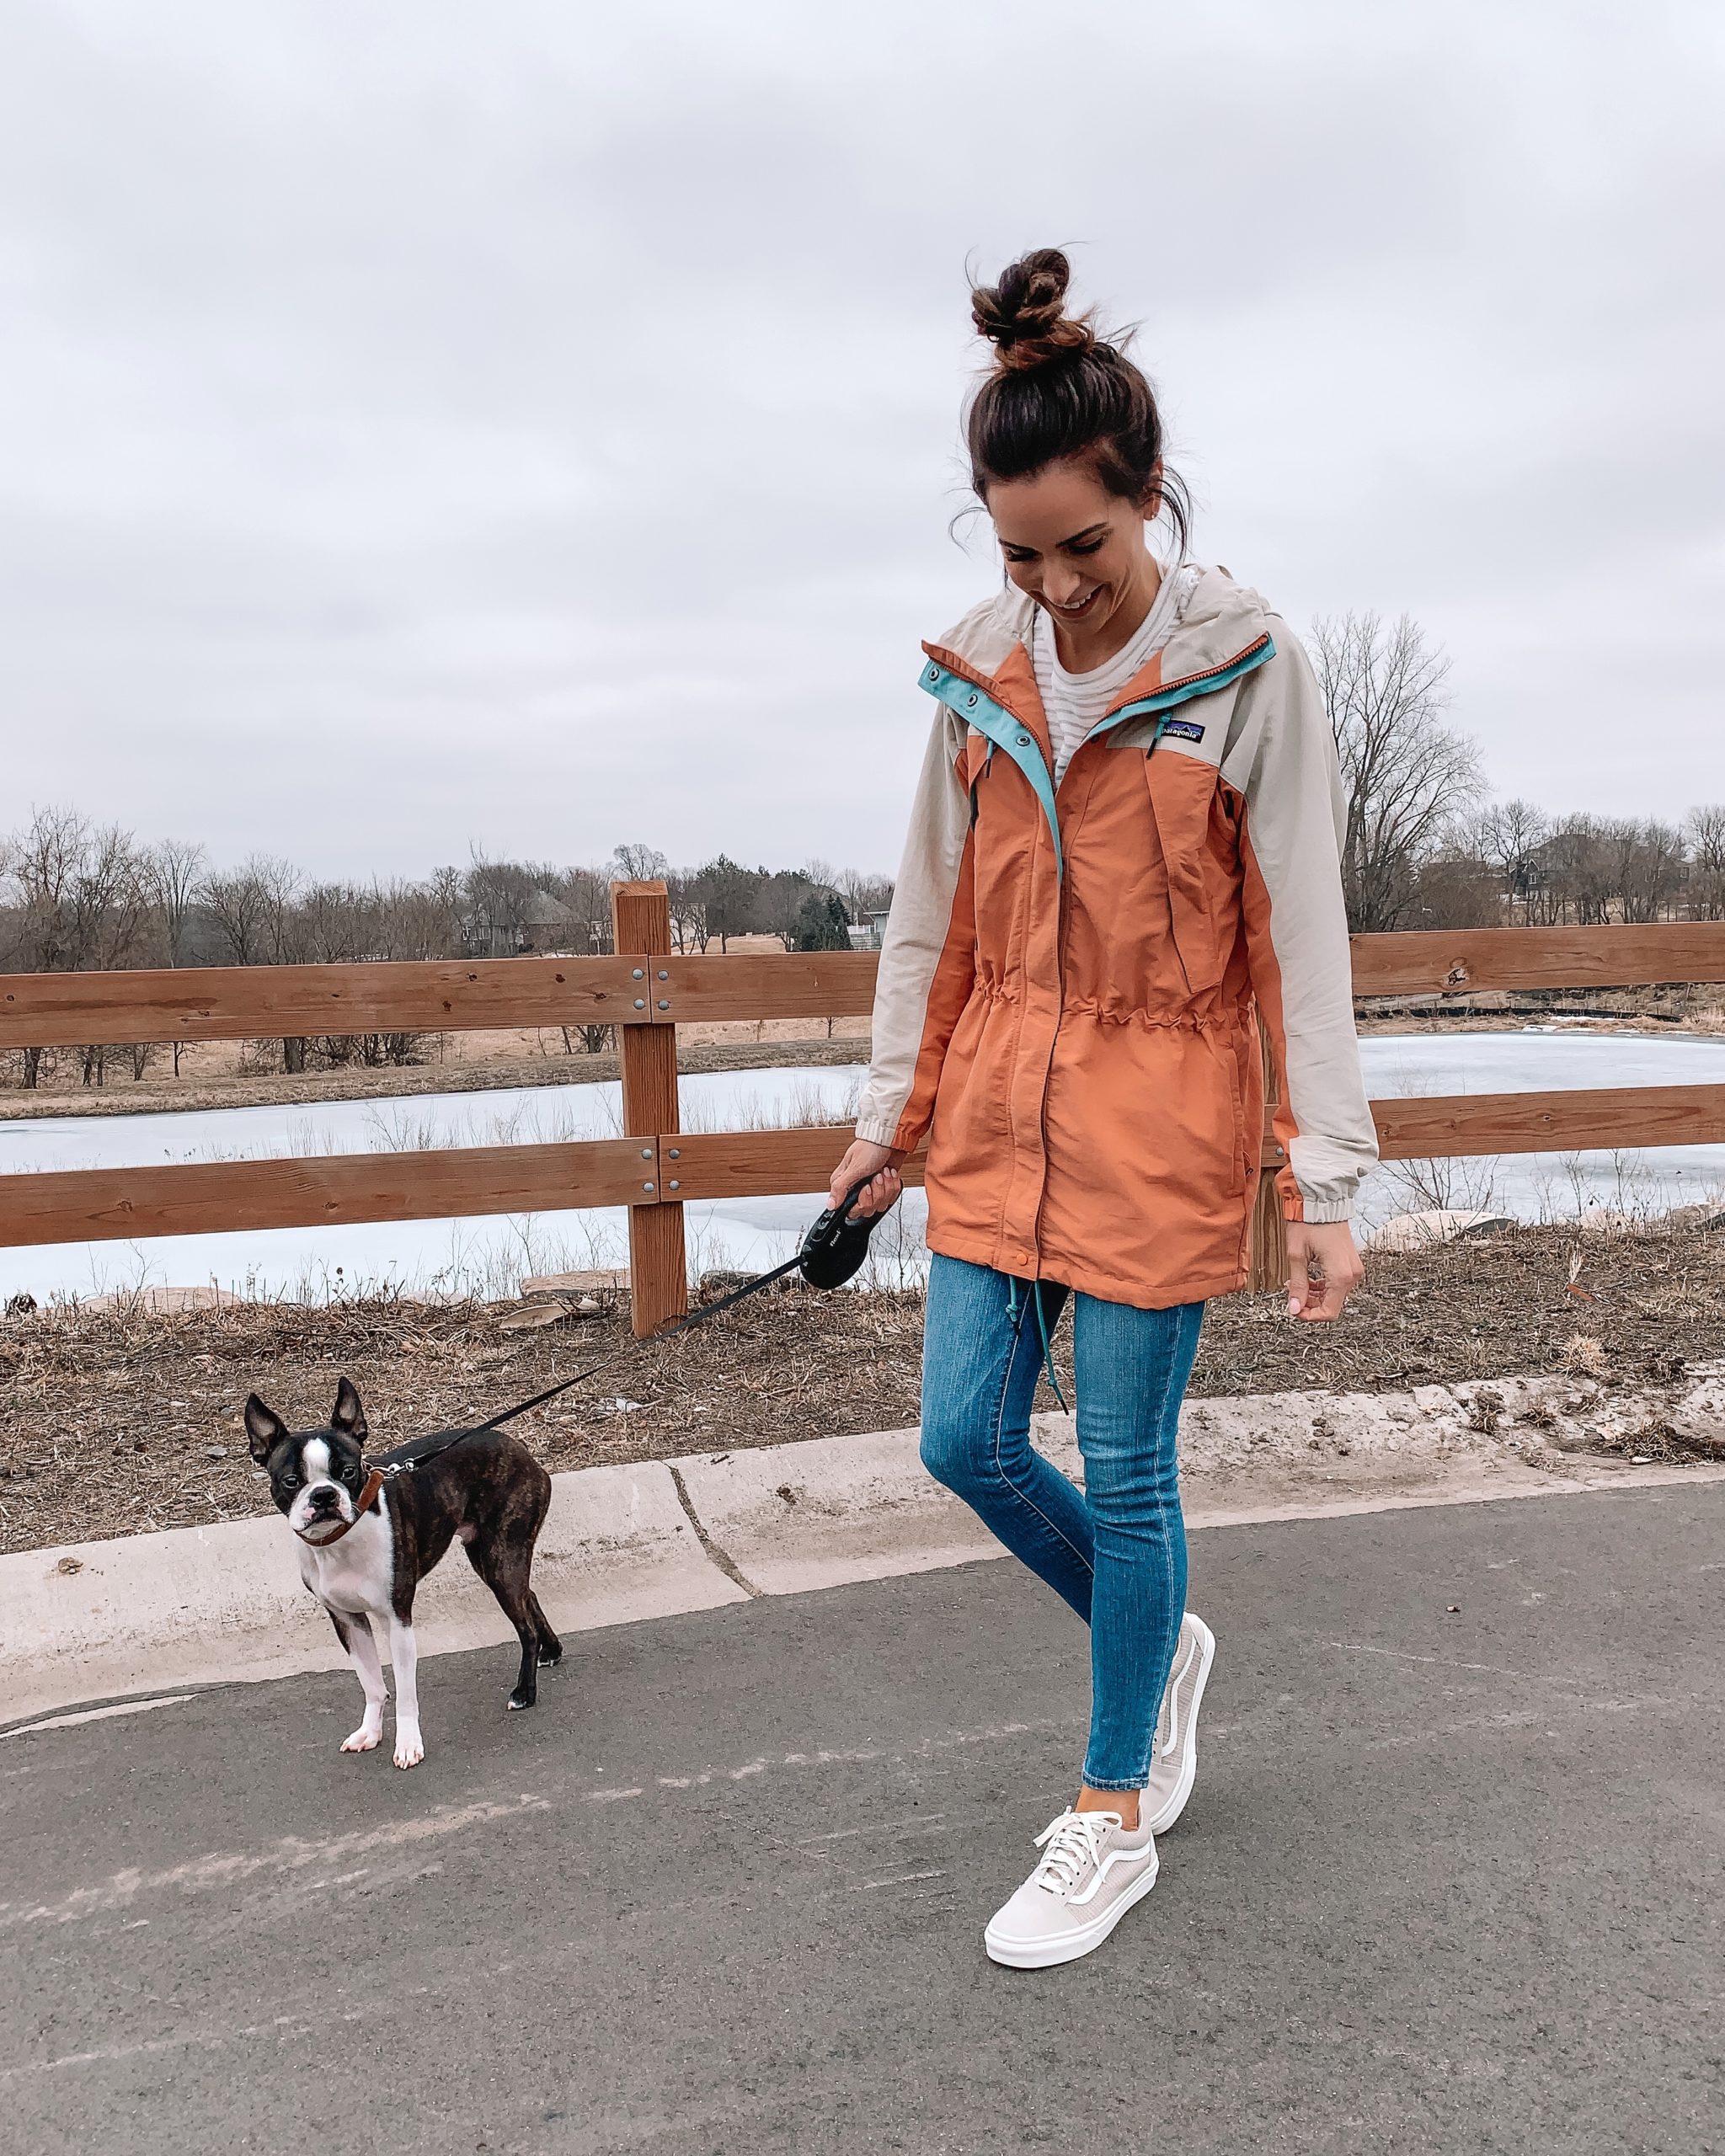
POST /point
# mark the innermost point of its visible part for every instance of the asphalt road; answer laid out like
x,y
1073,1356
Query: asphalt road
x,y
1448,1883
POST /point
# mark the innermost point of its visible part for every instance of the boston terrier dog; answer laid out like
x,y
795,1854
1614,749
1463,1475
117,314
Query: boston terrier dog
x,y
366,1540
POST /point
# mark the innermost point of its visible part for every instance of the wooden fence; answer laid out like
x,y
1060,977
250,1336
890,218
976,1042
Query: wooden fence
x,y
655,1168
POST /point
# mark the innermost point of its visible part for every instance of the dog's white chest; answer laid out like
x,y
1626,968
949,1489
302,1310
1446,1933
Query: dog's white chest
x,y
358,1572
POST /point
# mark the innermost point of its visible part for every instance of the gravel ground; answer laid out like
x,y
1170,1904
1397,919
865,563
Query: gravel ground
x,y
117,1423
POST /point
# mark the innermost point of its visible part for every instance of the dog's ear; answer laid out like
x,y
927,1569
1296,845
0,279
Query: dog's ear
x,y
265,1427
349,1417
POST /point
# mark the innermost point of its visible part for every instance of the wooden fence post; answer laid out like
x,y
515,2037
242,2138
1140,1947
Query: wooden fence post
x,y
659,1275
1270,1230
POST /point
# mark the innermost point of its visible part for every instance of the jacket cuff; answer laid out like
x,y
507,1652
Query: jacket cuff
x,y
876,1131
1316,1213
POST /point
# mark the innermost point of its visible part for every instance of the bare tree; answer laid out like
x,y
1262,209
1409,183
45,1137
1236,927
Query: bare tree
x,y
586,893
237,907
688,911
781,895
1649,867
1583,870
1407,776
42,865
418,920
1704,831
254,911
173,869
1599,869
499,900
1457,889
77,899
1507,837
638,864
281,885
856,890
110,925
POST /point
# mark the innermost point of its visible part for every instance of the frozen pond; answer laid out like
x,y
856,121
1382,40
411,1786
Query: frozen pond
x,y
490,1254
1544,1185
518,1115
486,1254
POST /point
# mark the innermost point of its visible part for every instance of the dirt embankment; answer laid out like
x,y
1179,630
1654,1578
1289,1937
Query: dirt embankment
x,y
117,1423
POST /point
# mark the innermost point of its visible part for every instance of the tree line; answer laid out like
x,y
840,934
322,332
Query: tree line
x,y
1424,846
76,896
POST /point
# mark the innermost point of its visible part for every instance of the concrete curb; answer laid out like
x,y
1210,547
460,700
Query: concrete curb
x,y
796,1517
224,1603
106,1620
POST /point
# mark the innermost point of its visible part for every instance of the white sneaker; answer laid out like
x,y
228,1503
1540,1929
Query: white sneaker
x,y
1092,1872
1173,1757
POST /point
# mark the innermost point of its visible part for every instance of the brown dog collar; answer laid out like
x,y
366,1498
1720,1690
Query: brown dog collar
x,y
368,1497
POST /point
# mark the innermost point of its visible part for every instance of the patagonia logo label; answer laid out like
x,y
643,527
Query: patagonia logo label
x,y
1183,729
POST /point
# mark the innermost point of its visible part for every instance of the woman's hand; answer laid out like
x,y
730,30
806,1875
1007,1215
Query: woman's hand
x,y
880,1163
1324,1268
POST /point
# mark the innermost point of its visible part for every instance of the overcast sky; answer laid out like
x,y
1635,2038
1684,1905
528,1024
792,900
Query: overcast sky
x,y
534,426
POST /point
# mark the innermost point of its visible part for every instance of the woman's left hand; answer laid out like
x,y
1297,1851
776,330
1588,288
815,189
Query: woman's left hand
x,y
1324,1268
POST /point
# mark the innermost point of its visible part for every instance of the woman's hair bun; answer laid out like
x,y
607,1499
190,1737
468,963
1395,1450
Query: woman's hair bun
x,y
1059,391
1024,315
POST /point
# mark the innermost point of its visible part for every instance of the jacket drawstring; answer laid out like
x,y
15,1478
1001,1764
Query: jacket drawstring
x,y
1018,1317
1048,1359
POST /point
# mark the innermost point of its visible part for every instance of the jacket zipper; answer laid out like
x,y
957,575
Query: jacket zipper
x,y
1224,666
1059,945
1181,691
1048,1072
1054,1039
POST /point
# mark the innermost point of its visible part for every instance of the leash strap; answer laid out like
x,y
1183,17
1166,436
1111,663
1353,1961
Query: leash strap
x,y
415,1455
683,1325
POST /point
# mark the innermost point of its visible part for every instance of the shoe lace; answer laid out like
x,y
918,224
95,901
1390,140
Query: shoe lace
x,y
1073,1843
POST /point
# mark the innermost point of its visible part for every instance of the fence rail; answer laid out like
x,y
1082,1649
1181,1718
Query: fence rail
x,y
654,1168
649,987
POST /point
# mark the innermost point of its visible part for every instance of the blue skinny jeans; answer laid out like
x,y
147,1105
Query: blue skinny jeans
x,y
1115,1550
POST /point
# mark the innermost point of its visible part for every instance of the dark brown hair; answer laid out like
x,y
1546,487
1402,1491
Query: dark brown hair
x,y
1059,390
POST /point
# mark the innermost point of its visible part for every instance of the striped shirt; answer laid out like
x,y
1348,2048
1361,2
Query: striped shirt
x,y
1073,702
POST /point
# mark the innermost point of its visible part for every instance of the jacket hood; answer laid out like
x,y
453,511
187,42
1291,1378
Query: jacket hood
x,y
1221,619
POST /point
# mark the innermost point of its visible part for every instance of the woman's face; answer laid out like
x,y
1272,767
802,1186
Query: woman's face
x,y
1073,544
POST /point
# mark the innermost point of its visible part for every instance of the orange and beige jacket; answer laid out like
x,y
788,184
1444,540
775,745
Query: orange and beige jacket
x,y
1069,975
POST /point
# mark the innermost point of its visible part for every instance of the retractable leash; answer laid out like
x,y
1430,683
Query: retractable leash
x,y
832,1253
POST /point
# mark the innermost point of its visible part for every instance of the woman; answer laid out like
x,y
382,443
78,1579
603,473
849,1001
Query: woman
x,y
1125,842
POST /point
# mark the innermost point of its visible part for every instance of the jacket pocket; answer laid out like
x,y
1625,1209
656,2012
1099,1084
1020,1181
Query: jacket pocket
x,y
1228,1050
1181,791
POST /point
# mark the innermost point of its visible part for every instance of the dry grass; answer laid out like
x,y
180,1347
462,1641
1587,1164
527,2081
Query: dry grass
x,y
1514,1304
113,1423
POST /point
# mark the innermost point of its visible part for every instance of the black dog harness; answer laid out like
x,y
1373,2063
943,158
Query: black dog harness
x,y
831,1254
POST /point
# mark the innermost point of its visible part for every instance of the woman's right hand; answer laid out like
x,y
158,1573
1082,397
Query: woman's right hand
x,y
879,1164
